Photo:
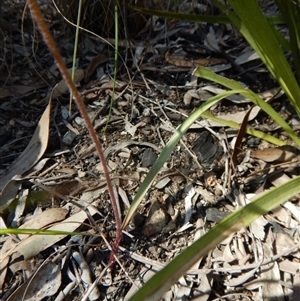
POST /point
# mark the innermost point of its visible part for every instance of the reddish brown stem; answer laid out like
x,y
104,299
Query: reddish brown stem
x,y
38,17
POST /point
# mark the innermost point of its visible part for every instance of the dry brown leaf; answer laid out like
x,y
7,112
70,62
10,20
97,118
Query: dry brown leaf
x,y
289,266
239,138
238,117
3,270
238,98
295,211
129,127
228,255
47,217
34,244
8,193
33,152
119,85
24,123
125,144
282,243
62,87
180,62
39,221
180,290
282,216
270,275
211,41
204,287
45,282
279,178
94,63
146,274
188,96
281,154
20,90
85,275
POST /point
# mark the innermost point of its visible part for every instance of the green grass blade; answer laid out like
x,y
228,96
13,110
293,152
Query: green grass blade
x,y
291,13
36,232
196,18
162,281
283,42
182,16
250,131
75,50
254,26
234,85
166,152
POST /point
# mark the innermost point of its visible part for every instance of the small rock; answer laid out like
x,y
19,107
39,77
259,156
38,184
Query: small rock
x,y
148,158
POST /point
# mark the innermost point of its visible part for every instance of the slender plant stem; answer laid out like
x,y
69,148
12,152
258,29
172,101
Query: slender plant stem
x,y
75,48
118,239
38,17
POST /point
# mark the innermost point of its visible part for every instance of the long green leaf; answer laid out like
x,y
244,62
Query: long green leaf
x,y
250,131
162,281
234,85
37,232
291,13
253,25
196,18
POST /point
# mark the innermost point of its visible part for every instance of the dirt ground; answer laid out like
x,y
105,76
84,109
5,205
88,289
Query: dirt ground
x,y
155,91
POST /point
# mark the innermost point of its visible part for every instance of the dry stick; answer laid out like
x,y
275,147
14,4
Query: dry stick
x,y
38,17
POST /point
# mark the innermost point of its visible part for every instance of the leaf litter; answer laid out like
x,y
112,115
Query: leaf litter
x,y
191,192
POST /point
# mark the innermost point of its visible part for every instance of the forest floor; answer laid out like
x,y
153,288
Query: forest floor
x,y
55,176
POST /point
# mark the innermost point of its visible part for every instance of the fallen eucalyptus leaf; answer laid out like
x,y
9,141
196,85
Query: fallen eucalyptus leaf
x,y
281,154
45,282
33,152
62,87
8,194
35,244
47,217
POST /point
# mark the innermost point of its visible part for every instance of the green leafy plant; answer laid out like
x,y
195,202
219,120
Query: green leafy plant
x,y
267,42
260,35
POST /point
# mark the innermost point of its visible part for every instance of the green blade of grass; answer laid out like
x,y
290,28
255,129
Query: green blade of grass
x,y
196,18
162,281
254,26
291,12
250,131
75,50
36,232
234,85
